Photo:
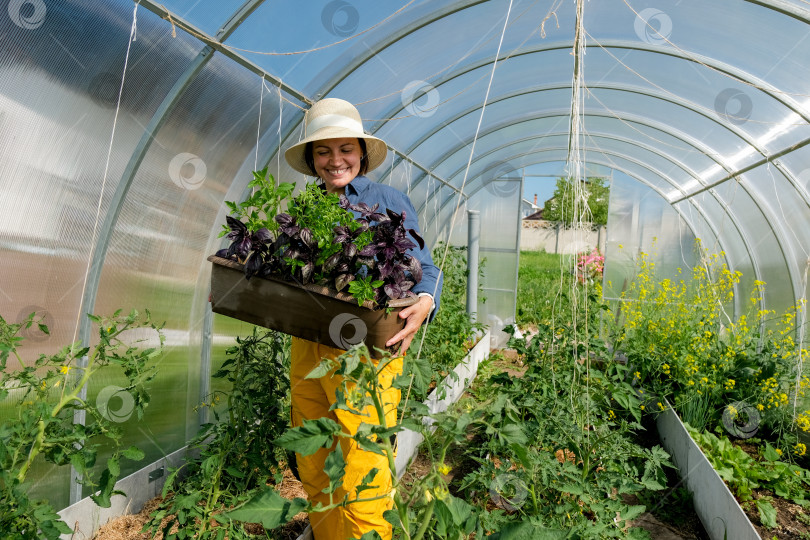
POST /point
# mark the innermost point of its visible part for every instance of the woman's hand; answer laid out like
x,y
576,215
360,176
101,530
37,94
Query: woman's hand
x,y
415,315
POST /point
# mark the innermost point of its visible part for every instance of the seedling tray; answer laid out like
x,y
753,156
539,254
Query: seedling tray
x,y
309,311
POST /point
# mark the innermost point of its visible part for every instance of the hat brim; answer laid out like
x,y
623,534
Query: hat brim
x,y
376,149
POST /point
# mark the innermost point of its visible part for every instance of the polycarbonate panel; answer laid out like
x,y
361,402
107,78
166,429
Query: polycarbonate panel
x,y
788,208
60,73
641,220
413,65
730,245
797,164
205,15
754,38
158,247
765,242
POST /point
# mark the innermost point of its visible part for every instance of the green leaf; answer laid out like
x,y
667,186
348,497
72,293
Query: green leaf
x,y
114,466
371,535
268,508
334,467
633,512
392,517
527,530
770,453
321,369
134,453
513,434
307,439
767,513
365,483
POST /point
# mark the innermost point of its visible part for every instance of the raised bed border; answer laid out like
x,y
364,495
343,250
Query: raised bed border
x,y
85,517
453,387
715,505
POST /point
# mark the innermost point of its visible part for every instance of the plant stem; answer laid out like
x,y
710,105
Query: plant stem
x,y
420,532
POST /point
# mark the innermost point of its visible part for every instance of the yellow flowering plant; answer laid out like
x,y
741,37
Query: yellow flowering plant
x,y
683,341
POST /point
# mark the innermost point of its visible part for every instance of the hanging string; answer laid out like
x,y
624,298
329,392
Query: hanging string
x,y
133,35
259,124
576,172
278,151
469,160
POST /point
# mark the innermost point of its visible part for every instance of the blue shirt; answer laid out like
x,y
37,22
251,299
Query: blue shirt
x,y
361,189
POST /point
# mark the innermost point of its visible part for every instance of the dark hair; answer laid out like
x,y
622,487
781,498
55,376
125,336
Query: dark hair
x,y
309,158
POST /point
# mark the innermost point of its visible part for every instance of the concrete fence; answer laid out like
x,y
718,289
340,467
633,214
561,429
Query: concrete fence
x,y
551,236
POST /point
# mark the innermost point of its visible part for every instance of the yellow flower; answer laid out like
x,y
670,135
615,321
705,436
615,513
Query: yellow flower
x,y
760,406
611,414
800,449
778,451
642,407
65,370
730,384
637,375
444,468
661,406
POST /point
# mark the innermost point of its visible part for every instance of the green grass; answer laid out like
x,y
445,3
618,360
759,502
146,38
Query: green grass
x,y
543,279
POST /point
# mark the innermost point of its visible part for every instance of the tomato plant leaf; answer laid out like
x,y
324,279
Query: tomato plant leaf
x,y
334,467
311,436
268,508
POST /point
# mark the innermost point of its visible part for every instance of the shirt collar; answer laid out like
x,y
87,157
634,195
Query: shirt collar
x,y
358,185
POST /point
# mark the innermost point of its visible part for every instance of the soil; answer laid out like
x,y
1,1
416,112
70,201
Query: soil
x,y
129,527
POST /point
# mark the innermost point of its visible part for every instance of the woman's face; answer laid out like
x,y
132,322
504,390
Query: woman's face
x,y
337,162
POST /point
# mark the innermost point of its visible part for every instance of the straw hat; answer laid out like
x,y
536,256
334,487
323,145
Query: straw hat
x,y
332,118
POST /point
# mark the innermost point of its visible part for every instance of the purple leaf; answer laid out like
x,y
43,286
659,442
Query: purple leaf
x,y
224,253
253,264
342,280
366,261
393,291
306,272
235,225
416,269
405,285
331,262
262,236
349,250
418,238
369,251
306,236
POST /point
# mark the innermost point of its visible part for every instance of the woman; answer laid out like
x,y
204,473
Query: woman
x,y
339,153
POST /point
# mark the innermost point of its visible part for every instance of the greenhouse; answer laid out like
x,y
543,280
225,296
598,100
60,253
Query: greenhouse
x,y
583,385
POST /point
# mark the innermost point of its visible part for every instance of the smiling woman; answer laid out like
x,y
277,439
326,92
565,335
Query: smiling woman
x,y
339,153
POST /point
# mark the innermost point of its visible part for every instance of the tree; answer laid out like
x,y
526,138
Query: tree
x,y
560,207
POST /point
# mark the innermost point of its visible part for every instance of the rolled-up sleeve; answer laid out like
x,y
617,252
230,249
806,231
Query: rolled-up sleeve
x,y
371,193
432,278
